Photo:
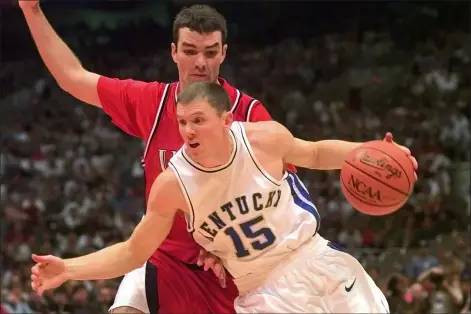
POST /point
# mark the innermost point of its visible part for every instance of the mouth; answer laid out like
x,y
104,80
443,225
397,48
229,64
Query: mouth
x,y
200,76
194,145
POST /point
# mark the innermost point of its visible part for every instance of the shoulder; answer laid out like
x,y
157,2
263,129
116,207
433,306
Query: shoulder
x,y
268,135
244,107
131,87
165,189
265,129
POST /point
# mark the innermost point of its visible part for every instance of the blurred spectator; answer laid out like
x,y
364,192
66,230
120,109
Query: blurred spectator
x,y
423,261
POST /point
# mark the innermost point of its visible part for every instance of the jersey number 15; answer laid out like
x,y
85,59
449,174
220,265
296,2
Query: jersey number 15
x,y
250,230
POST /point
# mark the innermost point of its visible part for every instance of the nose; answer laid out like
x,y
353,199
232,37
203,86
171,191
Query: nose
x,y
200,61
189,131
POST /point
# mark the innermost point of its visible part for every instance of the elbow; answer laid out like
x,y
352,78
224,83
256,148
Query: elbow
x,y
70,79
136,255
64,84
132,258
315,162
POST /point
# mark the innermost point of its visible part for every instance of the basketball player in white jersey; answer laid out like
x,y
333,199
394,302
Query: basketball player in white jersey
x,y
228,180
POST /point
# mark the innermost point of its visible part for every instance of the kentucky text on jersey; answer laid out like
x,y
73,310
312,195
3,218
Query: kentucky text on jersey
x,y
240,206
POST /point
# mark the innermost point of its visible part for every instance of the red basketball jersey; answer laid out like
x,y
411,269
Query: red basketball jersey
x,y
147,111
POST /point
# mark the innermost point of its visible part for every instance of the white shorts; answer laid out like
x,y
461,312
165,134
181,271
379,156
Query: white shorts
x,y
316,278
132,291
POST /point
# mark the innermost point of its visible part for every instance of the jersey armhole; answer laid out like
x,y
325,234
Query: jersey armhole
x,y
155,126
190,226
249,109
246,143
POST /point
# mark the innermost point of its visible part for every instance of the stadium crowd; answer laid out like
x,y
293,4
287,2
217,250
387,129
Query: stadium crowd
x,y
72,182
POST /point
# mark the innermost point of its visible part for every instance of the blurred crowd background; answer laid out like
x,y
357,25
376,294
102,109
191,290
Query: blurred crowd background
x,y
72,183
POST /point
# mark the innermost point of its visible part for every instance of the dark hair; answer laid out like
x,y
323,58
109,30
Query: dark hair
x,y
213,93
200,18
437,279
392,284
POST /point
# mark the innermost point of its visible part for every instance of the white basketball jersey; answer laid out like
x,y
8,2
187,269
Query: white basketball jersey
x,y
240,213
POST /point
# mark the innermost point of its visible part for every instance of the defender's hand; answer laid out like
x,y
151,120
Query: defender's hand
x,y
208,260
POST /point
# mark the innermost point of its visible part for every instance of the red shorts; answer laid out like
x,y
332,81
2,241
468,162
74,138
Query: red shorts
x,y
175,287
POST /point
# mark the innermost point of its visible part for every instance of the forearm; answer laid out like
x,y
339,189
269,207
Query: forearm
x,y
455,296
59,59
111,262
465,308
331,154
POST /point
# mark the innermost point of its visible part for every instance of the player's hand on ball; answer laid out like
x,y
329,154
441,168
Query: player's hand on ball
x,y
209,261
48,273
389,138
27,4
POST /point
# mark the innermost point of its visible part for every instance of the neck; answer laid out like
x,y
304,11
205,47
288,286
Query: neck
x,y
218,156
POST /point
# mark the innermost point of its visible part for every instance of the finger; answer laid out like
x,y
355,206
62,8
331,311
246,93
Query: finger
x,y
406,150
201,257
43,259
222,278
415,176
209,262
222,282
51,283
388,137
36,269
415,164
34,285
218,270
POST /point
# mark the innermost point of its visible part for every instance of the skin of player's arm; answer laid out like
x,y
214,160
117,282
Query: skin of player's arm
x,y
64,66
322,155
121,258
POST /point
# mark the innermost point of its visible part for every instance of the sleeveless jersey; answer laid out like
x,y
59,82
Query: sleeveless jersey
x,y
163,142
240,213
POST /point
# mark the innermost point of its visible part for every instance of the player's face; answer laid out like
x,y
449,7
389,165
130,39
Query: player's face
x,y
203,130
198,56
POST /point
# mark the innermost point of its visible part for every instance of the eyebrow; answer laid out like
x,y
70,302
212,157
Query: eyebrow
x,y
197,113
215,45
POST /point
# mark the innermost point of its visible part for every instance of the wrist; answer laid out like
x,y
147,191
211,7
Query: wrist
x,y
68,269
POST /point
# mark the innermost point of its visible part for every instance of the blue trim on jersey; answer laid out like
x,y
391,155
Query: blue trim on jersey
x,y
336,246
302,198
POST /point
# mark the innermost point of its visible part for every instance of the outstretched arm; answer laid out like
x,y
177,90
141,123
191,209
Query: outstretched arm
x,y
121,258
59,59
146,238
322,155
127,102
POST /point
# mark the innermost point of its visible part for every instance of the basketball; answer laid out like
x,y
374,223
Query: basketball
x,y
377,178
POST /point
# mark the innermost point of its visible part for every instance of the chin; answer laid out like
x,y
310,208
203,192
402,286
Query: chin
x,y
195,78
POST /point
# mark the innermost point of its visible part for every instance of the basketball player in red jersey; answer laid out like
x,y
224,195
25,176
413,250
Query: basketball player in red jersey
x,y
170,281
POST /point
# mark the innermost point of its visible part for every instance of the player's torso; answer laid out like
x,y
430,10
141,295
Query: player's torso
x,y
242,214
164,140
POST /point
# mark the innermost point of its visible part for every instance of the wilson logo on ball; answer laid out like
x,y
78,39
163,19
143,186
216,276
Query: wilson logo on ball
x,y
362,188
380,164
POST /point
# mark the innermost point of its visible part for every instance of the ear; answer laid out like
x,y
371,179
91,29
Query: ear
x,y
173,51
224,51
228,118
